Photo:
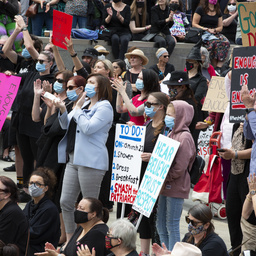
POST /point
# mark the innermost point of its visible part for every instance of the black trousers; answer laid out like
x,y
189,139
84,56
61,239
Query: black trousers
x,y
120,45
237,189
168,42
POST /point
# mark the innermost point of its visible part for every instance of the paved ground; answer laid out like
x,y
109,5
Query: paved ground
x,y
221,226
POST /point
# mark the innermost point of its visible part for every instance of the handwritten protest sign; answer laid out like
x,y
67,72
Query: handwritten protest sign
x,y
203,142
129,144
243,71
157,169
61,28
247,19
216,99
9,86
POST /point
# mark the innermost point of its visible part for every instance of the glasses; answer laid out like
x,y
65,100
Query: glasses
x,y
35,183
59,80
232,4
70,88
149,104
193,222
41,61
166,56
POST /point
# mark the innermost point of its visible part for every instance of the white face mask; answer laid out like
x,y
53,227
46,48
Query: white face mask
x,y
101,57
231,8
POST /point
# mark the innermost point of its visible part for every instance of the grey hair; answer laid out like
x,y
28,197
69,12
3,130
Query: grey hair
x,y
49,55
124,230
205,53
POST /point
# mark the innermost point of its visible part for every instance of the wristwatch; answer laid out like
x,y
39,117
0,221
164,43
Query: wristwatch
x,y
248,110
24,29
253,192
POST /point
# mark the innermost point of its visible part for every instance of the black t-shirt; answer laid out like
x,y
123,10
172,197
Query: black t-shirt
x,y
168,69
230,31
25,65
93,238
206,20
6,64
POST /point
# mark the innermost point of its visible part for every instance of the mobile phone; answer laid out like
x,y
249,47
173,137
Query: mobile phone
x,y
220,150
50,96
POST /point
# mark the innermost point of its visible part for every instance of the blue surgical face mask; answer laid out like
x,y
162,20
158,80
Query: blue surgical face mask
x,y
195,230
58,87
150,111
139,84
72,95
169,122
40,67
35,191
25,53
90,90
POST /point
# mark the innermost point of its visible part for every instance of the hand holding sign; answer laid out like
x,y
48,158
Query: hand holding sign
x,y
69,44
248,100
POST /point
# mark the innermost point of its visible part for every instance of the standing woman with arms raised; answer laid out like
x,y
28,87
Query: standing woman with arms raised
x,y
117,17
83,146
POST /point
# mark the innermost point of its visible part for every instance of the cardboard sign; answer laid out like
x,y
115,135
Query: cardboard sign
x,y
243,71
129,144
203,142
247,19
216,99
154,177
9,86
61,28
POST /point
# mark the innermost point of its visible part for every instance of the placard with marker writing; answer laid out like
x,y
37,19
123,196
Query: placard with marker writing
x,y
129,144
154,177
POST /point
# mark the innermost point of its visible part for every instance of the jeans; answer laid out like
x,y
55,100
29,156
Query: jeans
x,y
123,41
38,22
168,41
168,220
80,21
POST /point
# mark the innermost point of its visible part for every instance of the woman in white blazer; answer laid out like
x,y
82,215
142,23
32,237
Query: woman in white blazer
x,y
83,146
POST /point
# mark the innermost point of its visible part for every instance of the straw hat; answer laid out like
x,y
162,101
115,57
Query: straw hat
x,y
185,249
138,53
101,49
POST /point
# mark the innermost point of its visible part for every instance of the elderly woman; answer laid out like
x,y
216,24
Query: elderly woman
x,y
11,216
207,69
163,67
137,60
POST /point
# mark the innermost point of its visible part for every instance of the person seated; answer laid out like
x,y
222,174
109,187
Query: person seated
x,y
207,69
161,21
117,17
208,17
230,21
139,23
13,223
180,21
163,67
41,212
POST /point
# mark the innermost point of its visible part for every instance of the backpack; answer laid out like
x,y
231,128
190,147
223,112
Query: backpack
x,y
84,33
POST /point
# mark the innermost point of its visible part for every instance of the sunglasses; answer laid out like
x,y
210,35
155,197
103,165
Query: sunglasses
x,y
35,183
193,223
149,104
59,80
71,88
41,61
232,4
166,56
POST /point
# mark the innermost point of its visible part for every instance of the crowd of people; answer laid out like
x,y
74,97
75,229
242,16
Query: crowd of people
x,y
62,127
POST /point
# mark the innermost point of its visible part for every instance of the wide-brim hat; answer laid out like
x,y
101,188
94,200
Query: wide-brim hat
x,y
195,52
101,49
138,53
185,249
177,78
91,52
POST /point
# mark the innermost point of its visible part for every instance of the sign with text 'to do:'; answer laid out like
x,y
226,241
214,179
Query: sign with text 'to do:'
x,y
129,144
154,177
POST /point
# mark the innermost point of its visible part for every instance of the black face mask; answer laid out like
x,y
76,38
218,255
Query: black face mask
x,y
174,7
189,66
80,217
140,4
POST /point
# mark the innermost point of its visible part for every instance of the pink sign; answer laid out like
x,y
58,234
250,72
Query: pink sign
x,y
61,28
9,86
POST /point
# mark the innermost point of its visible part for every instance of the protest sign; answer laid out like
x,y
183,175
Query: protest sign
x,y
216,99
61,28
243,71
203,142
9,86
129,144
154,177
247,19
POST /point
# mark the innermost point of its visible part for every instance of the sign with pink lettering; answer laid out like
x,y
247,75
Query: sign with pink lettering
x,y
129,144
9,86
